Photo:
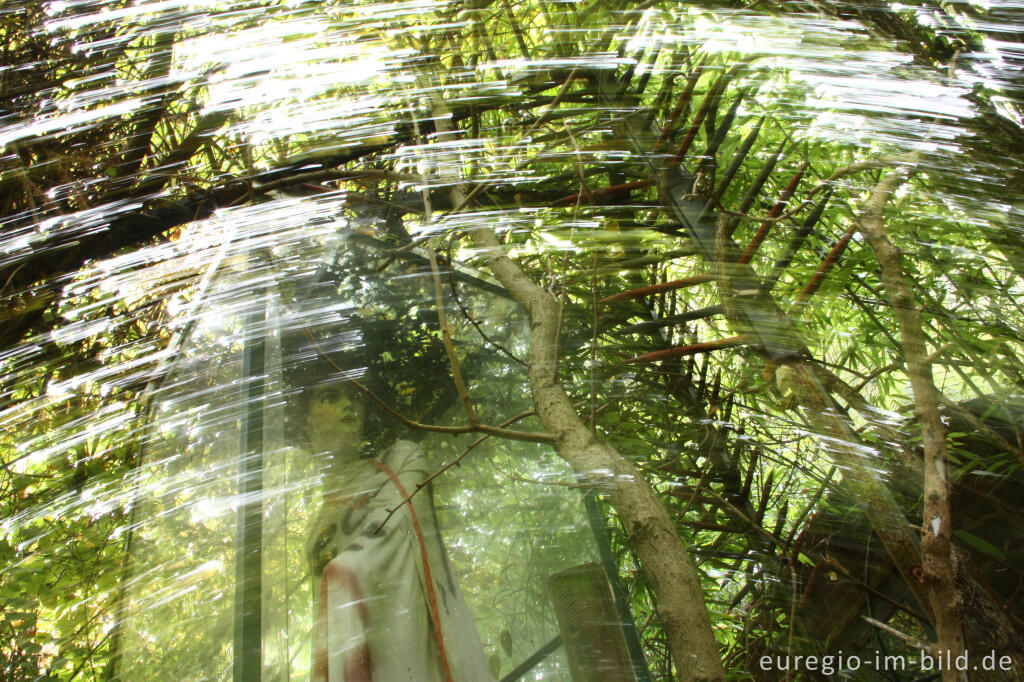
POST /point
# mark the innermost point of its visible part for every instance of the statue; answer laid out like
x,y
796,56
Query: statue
x,y
388,607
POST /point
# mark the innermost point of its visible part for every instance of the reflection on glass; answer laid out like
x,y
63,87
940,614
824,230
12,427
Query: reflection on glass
x,y
372,567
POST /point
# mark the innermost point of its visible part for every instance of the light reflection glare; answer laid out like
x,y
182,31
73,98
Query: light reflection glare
x,y
124,420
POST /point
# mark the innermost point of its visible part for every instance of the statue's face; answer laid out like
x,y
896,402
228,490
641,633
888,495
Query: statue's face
x,y
335,420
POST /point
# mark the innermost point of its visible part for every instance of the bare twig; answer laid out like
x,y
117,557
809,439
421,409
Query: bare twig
x,y
528,436
442,320
554,103
912,641
446,335
501,432
454,462
476,325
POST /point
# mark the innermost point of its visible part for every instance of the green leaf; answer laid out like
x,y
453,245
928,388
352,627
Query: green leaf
x,y
983,546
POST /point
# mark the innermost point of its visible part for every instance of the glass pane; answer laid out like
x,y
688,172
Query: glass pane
x,y
387,551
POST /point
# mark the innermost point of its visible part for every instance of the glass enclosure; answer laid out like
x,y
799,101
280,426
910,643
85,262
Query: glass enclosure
x,y
288,522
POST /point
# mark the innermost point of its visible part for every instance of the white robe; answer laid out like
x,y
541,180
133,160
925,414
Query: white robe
x,y
376,613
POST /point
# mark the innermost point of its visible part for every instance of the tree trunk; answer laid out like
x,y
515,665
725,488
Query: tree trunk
x,y
663,554
937,529
652,533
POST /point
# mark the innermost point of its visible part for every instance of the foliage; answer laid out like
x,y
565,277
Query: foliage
x,y
598,138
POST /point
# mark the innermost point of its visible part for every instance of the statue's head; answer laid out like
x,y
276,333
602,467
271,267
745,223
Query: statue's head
x,y
405,368
326,412
334,418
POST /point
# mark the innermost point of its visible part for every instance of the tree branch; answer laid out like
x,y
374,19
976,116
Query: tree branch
x,y
936,542
662,552
528,436
457,460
